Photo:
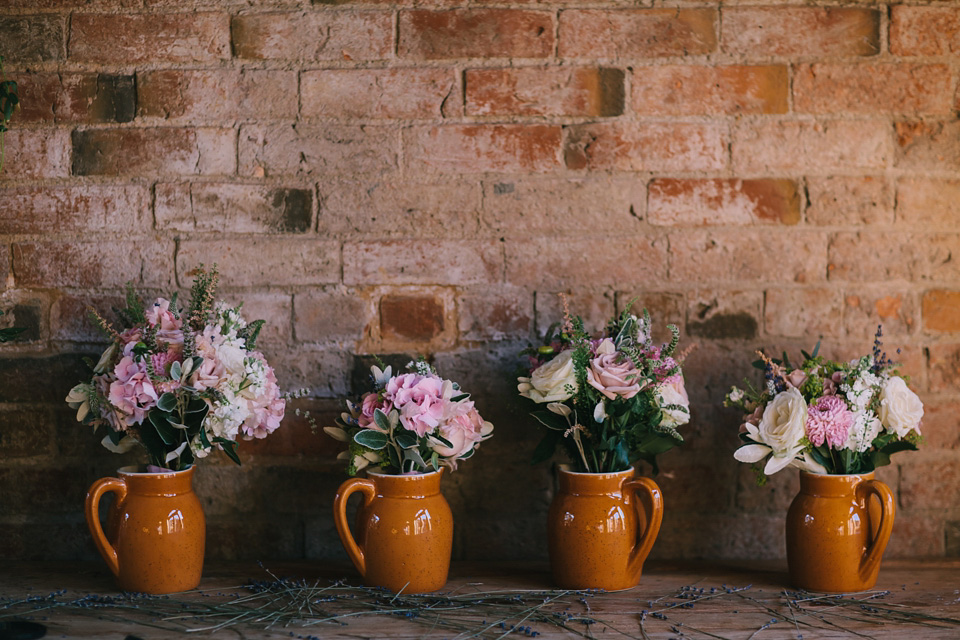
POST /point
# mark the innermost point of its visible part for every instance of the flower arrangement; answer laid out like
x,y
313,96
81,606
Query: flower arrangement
x,y
181,382
825,416
611,401
410,423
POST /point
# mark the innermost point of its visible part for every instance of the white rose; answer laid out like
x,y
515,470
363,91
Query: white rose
x,y
780,431
232,358
553,382
673,391
900,408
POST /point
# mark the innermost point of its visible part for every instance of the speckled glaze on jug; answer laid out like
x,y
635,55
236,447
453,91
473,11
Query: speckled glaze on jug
x,y
601,527
157,530
836,535
405,531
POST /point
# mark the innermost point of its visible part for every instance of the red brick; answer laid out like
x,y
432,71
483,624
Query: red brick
x,y
724,314
916,89
594,304
76,97
928,203
637,33
264,261
646,146
500,313
670,90
944,367
930,480
803,313
346,35
550,91
135,152
36,38
322,151
25,433
884,256
941,310
811,146
849,200
93,264
924,31
37,153
215,96
940,423
480,148
865,308
698,202
475,33
733,256
532,206
418,318
557,263
442,262
148,37
800,31
927,145
237,208
87,208
331,314
375,93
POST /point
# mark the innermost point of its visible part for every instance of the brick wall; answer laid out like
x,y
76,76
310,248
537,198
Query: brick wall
x,y
424,176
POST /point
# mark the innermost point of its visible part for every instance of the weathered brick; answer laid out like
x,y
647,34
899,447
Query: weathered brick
x,y
924,30
594,304
774,496
36,38
803,313
375,93
557,263
70,320
394,207
865,308
686,496
475,33
480,148
495,314
549,91
670,90
274,308
928,203
239,208
37,153
800,31
926,145
930,479
25,433
419,318
346,35
265,261
323,371
714,314
76,97
533,207
849,200
941,310
28,313
952,539
443,262
911,89
217,96
697,202
124,152
815,147
646,146
87,208
331,314
940,424
93,264
665,308
324,151
297,438
916,534
147,37
944,367
19,375
732,256
233,538
880,257
637,33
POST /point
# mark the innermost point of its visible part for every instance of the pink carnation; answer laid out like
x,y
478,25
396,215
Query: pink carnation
x,y
829,420
132,392
419,399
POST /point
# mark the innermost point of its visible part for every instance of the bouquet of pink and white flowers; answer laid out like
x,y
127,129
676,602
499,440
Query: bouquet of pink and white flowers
x,y
410,423
181,382
612,400
827,417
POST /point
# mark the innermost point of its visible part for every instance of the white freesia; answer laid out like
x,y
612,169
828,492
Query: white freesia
x,y
555,381
900,408
779,432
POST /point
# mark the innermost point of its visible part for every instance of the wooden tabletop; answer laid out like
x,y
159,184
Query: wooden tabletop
x,y
918,599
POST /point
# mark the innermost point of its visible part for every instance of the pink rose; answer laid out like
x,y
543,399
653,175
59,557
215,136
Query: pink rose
x,y
132,392
207,375
463,432
159,314
370,403
752,419
612,373
795,378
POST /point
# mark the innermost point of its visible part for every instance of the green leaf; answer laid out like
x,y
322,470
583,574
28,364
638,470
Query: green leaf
x,y
442,440
167,401
229,447
406,440
547,446
380,419
462,396
161,423
175,370
414,456
197,405
371,439
550,420
435,460
152,442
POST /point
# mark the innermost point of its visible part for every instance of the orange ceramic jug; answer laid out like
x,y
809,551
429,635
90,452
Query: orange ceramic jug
x,y
405,529
157,528
835,535
601,527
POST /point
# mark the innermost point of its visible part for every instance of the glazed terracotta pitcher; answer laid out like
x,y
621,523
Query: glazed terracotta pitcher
x,y
836,535
405,531
157,530
601,527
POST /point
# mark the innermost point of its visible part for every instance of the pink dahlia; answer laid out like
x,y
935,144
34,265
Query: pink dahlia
x,y
828,419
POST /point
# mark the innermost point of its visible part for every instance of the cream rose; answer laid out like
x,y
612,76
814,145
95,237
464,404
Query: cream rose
x,y
900,408
611,373
779,432
553,382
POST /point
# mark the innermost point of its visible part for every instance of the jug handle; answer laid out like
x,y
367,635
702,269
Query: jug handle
x,y
96,491
369,490
642,486
874,553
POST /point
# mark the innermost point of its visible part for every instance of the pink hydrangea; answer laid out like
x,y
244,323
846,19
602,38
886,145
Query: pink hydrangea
x,y
420,401
267,409
132,392
829,420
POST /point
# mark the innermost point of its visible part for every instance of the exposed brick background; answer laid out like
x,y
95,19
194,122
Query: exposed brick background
x,y
413,177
